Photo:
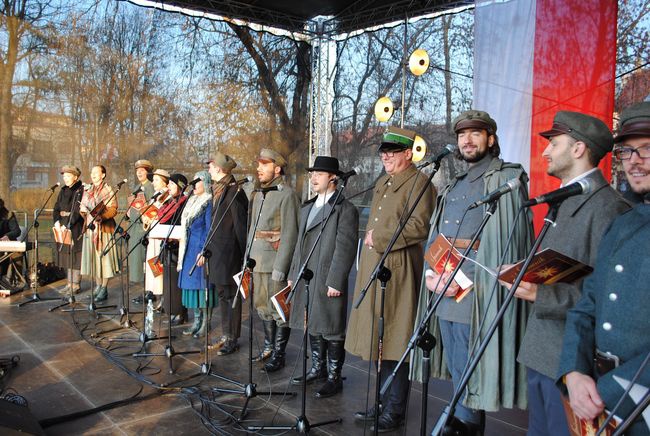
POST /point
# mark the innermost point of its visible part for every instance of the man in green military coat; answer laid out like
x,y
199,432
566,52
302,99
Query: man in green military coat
x,y
394,193
273,243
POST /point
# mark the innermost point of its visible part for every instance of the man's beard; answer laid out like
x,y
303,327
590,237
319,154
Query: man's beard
x,y
480,154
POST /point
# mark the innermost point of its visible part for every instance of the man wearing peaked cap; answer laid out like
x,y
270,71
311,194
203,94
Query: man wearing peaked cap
x,y
227,245
577,143
143,168
497,381
331,264
273,242
606,338
393,193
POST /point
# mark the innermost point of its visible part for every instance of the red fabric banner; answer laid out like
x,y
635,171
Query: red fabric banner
x,y
574,69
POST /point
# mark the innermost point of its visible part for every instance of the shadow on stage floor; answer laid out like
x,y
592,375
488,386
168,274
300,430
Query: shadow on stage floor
x,y
69,363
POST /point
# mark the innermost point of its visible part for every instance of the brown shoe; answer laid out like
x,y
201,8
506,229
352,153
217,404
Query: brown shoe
x,y
220,343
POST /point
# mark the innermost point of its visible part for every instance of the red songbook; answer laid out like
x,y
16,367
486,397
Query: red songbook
x,y
583,427
548,267
62,235
243,277
136,202
444,257
156,266
282,304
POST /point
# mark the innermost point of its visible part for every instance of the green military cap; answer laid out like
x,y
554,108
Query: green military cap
x,y
144,163
634,121
268,155
397,139
223,161
473,119
585,128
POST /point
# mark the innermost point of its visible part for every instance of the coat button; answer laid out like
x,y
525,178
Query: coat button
x,y
607,326
376,219
389,183
384,195
618,268
379,208
446,221
613,297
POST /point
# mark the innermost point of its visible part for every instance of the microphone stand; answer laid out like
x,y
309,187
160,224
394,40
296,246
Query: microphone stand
x,y
71,257
425,340
33,283
169,351
637,410
448,412
302,424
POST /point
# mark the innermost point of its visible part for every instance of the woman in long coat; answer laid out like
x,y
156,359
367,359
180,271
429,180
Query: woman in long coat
x,y
98,232
67,216
195,221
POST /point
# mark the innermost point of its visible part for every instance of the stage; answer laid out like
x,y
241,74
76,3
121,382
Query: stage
x,y
68,364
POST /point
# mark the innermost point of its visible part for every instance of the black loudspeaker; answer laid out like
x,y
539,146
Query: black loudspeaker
x,y
17,420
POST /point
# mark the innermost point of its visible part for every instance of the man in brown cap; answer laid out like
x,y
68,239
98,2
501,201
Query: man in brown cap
x,y
227,246
277,206
394,193
577,143
606,338
144,188
496,381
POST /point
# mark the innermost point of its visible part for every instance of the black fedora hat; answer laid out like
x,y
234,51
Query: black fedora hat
x,y
327,164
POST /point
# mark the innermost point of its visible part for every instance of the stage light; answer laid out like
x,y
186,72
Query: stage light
x,y
419,148
384,109
419,62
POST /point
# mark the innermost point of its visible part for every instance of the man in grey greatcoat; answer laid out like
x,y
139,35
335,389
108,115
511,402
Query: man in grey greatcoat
x,y
273,243
330,263
393,194
606,338
497,380
577,143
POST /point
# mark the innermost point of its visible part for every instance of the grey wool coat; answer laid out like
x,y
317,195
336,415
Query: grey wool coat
x,y
330,263
579,226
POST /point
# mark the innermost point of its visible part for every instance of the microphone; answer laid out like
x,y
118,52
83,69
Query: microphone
x,y
88,186
449,148
509,186
153,198
272,188
53,187
243,181
137,190
120,184
194,182
353,172
580,187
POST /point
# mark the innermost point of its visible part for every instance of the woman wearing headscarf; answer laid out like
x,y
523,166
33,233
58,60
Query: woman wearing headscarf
x,y
98,207
170,214
67,217
195,222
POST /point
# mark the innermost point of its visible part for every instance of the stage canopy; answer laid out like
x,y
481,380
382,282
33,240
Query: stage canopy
x,y
342,16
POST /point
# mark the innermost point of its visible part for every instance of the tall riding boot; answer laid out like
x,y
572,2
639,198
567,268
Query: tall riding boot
x,y
277,358
318,369
269,336
205,325
198,320
335,361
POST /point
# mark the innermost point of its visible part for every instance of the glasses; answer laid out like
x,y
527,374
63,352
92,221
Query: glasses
x,y
625,153
390,153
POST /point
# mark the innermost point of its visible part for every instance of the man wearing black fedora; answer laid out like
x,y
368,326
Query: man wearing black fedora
x,y
331,264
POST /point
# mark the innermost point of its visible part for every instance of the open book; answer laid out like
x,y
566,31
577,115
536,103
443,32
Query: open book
x,y
62,235
548,266
444,257
282,304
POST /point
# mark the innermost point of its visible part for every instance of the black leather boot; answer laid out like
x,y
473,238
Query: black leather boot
x,y
318,369
335,360
276,362
269,336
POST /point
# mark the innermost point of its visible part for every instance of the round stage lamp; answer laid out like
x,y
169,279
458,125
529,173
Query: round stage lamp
x,y
419,62
384,109
419,148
